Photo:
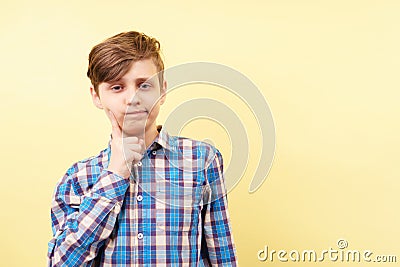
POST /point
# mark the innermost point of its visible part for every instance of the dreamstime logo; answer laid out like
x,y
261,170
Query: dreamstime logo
x,y
342,244
219,112
310,255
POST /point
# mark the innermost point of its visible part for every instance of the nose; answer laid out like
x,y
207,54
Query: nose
x,y
132,96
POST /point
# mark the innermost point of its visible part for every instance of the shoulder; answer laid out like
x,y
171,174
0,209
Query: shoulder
x,y
81,175
196,149
187,149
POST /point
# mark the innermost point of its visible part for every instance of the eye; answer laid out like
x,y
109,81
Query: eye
x,y
116,88
144,86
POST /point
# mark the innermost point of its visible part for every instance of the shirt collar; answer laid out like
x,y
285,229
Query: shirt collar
x,y
163,139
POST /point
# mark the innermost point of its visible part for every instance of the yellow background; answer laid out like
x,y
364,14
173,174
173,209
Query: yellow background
x,y
328,69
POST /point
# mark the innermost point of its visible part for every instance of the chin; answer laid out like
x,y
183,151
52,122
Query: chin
x,y
134,128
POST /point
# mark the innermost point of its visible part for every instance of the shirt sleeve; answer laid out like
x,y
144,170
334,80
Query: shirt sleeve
x,y
217,232
81,223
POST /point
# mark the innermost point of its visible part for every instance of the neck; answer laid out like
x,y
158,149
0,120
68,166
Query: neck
x,y
150,135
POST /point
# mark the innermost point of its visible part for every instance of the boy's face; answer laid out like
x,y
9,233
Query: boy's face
x,y
134,99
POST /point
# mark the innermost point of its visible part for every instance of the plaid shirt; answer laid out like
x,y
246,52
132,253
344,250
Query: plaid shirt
x,y
171,212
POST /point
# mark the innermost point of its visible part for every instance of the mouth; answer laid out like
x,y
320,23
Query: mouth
x,y
136,112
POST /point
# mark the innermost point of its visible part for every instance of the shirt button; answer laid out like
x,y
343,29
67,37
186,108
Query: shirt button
x,y
140,236
154,152
139,197
139,163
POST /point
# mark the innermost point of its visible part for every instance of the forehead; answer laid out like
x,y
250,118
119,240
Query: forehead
x,y
140,69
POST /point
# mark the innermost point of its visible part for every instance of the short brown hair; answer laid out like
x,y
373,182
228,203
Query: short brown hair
x,y
112,58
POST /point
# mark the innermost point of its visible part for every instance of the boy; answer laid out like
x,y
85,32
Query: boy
x,y
144,200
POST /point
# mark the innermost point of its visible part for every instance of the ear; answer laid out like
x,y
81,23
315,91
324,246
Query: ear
x,y
163,92
95,98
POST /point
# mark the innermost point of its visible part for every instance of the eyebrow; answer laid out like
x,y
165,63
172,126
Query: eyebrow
x,y
143,79
139,79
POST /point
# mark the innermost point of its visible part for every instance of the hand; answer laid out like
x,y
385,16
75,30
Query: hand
x,y
125,151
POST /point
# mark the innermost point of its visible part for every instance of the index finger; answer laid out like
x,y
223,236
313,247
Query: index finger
x,y
116,129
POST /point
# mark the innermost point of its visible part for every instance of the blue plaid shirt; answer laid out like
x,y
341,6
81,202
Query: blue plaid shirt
x,y
172,211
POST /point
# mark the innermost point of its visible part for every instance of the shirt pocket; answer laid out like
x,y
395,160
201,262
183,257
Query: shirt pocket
x,y
178,207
